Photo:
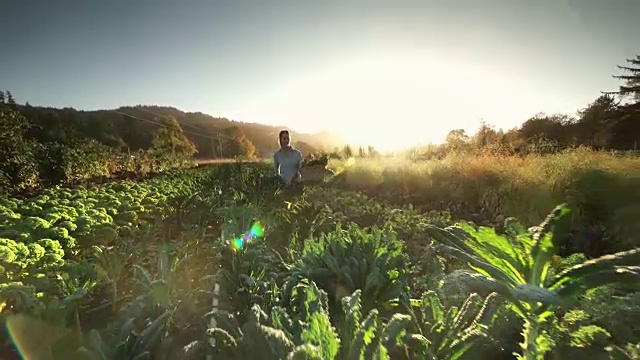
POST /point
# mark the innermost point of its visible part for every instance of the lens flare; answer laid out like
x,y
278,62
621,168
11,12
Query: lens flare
x,y
256,231
237,244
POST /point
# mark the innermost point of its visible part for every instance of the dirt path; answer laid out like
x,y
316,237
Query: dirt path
x,y
221,161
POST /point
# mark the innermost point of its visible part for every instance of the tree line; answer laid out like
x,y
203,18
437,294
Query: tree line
x,y
131,128
37,154
610,122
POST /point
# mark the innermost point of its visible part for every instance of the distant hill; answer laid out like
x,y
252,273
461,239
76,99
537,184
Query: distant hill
x,y
134,129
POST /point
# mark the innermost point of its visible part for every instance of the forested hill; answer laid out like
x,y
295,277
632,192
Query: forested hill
x,y
133,127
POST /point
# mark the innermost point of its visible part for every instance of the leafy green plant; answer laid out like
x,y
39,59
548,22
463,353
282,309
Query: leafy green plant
x,y
298,221
348,259
517,267
278,335
363,337
618,313
449,333
154,323
575,336
320,159
247,274
247,278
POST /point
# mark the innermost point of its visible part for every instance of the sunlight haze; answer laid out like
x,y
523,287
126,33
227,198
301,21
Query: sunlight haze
x,y
388,74
394,101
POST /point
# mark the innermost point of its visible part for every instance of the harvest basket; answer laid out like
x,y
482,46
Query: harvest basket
x,y
313,173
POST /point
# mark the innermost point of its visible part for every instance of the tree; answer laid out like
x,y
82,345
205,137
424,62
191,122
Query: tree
x,y
485,136
18,165
362,153
626,130
512,141
13,125
596,122
10,100
347,151
457,139
170,139
632,81
237,144
372,152
551,127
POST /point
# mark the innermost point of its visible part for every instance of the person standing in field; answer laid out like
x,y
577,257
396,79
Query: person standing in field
x,y
287,160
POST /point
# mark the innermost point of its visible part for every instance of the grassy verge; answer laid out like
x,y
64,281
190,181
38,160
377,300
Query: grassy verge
x,y
604,188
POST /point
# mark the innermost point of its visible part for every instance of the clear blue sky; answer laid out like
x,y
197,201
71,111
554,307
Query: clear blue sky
x,y
320,64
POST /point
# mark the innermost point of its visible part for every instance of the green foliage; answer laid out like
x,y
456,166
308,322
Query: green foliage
x,y
632,80
348,259
613,309
44,235
30,160
576,337
170,148
18,163
278,335
517,267
360,331
312,159
450,333
144,270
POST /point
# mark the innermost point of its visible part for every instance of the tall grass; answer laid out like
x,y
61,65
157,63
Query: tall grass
x,y
603,187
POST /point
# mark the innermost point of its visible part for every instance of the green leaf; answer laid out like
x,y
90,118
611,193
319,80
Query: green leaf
x,y
491,269
391,334
606,262
492,247
533,293
616,275
554,228
364,336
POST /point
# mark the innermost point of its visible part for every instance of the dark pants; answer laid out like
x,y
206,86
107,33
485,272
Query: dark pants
x,y
296,188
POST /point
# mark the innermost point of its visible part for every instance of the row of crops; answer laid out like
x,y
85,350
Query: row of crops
x,y
221,263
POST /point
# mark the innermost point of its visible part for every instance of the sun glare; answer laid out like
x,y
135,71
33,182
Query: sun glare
x,y
393,102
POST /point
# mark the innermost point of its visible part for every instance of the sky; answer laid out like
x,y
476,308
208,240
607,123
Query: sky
x,y
387,73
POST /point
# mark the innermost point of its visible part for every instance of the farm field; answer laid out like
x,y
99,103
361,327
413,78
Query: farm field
x,y
219,262
471,181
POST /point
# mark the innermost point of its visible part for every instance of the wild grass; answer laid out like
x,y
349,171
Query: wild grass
x,y
604,187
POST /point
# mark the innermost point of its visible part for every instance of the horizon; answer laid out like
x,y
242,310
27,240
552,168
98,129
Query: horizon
x,y
370,73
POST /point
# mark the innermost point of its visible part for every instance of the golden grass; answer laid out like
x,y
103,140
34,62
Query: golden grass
x,y
525,187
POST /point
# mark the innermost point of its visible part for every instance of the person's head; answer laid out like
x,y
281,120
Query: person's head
x,y
284,139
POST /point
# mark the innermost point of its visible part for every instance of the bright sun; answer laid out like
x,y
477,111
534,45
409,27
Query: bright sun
x,y
390,103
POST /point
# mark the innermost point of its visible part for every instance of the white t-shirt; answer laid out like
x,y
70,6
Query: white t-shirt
x,y
287,163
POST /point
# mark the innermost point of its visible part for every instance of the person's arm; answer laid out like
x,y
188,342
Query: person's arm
x,y
298,173
275,163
